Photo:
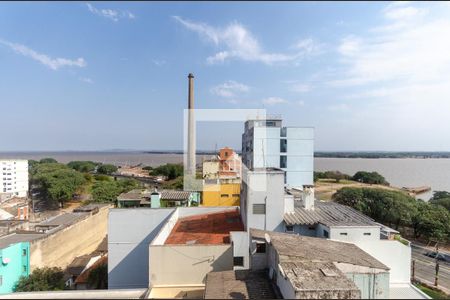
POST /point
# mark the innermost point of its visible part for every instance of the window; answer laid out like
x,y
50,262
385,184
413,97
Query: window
x,y
236,195
367,233
24,268
289,228
283,145
24,252
238,261
224,195
283,161
343,233
260,247
259,209
270,124
325,233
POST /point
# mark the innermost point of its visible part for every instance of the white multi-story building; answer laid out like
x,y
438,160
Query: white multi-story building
x,y
266,144
13,178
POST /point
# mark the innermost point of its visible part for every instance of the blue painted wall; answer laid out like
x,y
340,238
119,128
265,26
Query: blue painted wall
x,y
14,262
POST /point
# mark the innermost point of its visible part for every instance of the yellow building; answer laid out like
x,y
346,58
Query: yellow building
x,y
227,194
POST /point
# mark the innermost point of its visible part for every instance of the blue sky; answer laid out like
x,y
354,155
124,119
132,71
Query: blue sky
x,y
113,75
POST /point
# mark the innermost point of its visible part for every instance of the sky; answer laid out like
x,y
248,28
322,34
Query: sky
x,y
368,76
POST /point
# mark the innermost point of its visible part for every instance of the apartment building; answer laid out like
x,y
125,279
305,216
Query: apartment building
x,y
266,144
13,178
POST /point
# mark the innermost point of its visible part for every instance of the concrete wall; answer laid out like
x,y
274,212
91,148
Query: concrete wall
x,y
373,283
187,264
130,231
240,242
60,248
394,255
354,234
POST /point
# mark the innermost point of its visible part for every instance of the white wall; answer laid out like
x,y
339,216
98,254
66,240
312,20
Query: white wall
x,y
265,187
355,233
240,242
130,231
187,264
393,254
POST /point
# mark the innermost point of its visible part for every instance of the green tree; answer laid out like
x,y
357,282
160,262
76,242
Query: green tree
x,y
171,171
106,169
83,166
48,160
370,178
105,191
98,277
41,279
57,182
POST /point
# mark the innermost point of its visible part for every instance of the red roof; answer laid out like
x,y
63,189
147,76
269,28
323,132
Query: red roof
x,y
213,228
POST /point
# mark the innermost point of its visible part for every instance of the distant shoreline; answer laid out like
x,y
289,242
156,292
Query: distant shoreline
x,y
318,154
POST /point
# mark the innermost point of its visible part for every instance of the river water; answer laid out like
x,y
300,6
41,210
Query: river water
x,y
401,172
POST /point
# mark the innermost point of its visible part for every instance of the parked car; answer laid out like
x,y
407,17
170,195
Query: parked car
x,y
440,256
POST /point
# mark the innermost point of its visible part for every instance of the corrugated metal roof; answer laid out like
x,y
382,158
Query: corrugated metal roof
x,y
328,214
138,195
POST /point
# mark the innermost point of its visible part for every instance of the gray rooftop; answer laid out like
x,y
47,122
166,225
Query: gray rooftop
x,y
239,284
64,219
317,276
328,214
14,238
293,247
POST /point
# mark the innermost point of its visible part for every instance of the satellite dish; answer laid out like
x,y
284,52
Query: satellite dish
x,y
6,261
267,237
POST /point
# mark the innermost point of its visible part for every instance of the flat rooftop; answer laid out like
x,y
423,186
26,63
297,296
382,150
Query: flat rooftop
x,y
239,284
211,228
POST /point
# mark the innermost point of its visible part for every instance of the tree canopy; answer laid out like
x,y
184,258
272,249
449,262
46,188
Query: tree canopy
x,y
83,166
41,279
107,191
106,169
48,160
370,178
171,171
98,277
441,198
57,181
394,208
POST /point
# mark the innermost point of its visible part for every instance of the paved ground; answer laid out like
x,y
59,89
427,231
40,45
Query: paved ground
x,y
425,268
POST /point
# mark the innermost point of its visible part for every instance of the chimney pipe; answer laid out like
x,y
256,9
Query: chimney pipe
x,y
191,128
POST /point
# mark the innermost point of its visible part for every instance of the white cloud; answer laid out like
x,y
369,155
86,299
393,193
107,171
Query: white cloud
x,y
159,62
52,63
309,47
86,79
301,103
239,43
397,76
111,14
229,89
274,101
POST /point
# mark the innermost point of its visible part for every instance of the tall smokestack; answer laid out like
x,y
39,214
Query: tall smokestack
x,y
191,127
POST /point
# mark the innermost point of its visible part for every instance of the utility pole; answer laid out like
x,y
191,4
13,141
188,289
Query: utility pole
x,y
436,278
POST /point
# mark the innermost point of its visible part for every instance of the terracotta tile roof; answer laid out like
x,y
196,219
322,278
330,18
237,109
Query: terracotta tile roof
x,y
213,228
